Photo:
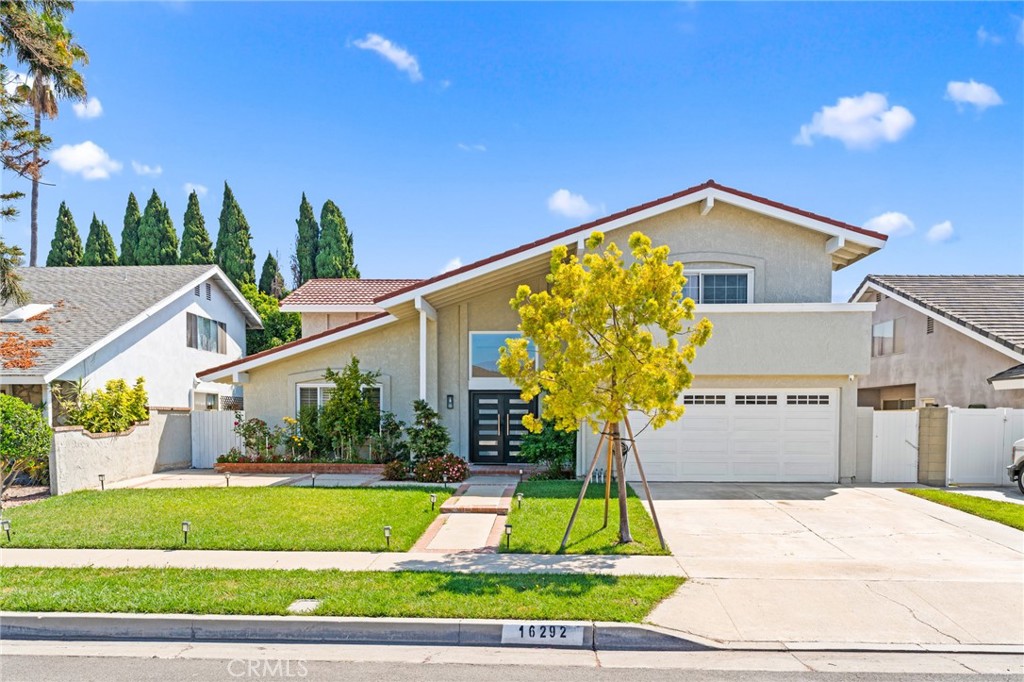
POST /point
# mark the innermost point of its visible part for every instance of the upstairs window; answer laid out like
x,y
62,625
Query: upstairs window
x,y
712,288
887,338
206,334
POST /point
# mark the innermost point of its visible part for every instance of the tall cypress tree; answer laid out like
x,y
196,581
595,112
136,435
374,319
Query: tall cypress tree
x,y
234,252
196,247
306,243
66,247
130,231
158,242
99,245
335,257
271,281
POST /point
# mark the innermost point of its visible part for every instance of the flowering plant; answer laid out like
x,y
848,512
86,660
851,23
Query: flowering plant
x,y
435,469
255,434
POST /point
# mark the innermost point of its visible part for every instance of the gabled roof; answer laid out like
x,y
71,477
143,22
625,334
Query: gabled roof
x,y
853,242
988,306
94,305
338,294
1012,374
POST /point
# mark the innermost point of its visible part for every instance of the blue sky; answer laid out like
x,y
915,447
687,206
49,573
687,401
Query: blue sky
x,y
453,131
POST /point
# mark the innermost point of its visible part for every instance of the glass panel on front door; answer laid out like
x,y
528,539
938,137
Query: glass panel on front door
x,y
496,427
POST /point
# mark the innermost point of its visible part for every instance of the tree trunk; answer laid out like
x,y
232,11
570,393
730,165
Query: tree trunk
x,y
620,473
33,251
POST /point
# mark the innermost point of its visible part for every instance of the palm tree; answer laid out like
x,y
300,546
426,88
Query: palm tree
x,y
49,83
10,283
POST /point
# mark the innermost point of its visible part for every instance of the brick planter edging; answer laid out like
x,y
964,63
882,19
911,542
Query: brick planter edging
x,y
298,467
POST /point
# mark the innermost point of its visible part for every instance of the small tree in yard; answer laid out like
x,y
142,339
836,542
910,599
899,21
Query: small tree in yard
x,y
608,334
428,437
349,416
24,441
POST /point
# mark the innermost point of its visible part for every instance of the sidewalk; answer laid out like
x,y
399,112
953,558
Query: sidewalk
x,y
454,562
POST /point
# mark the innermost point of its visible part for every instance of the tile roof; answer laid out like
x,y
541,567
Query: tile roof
x,y
344,291
989,305
89,303
1016,372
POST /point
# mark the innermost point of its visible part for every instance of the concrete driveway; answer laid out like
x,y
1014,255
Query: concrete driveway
x,y
808,564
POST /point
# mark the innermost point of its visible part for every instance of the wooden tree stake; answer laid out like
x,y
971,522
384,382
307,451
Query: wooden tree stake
x,y
643,479
586,482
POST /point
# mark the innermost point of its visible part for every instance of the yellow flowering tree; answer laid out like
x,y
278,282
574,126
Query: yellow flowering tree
x,y
613,338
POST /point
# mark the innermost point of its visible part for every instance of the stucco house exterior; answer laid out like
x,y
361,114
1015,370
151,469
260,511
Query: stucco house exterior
x,y
953,340
163,323
775,395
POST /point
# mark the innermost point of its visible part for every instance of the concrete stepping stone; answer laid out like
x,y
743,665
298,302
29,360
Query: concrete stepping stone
x,y
480,499
462,532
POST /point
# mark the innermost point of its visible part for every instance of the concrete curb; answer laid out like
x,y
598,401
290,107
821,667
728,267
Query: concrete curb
x,y
320,629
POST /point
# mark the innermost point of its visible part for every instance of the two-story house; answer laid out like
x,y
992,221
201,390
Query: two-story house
x,y
775,394
93,324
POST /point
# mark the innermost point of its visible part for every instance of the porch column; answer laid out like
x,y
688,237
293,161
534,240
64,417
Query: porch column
x,y
427,313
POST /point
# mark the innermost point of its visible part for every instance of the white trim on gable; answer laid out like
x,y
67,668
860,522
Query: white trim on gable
x,y
952,324
213,272
574,237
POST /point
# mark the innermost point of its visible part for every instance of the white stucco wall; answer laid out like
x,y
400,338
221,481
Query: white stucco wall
x,y
156,349
77,458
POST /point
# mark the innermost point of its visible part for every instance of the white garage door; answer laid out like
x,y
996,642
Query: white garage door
x,y
748,435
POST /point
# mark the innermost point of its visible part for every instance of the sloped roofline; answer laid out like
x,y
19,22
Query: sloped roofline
x,y
214,271
944,316
870,238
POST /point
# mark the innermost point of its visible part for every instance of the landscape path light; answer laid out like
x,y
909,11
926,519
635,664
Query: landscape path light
x,y
227,479
185,528
103,478
520,475
433,500
519,499
312,476
508,536
387,535
5,525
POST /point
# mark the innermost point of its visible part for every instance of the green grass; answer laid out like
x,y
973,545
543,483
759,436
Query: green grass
x,y
341,519
363,594
547,505
1006,513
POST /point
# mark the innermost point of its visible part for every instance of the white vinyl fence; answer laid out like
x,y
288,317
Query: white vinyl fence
x,y
213,434
894,446
979,444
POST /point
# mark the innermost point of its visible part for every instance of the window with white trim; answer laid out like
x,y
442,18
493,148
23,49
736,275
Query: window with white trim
x,y
887,337
712,287
202,333
484,351
317,395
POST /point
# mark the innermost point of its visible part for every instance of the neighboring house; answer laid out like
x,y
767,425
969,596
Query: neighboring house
x,y
774,397
163,323
953,340
329,303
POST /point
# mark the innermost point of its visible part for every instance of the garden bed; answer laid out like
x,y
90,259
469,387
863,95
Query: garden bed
x,y
300,467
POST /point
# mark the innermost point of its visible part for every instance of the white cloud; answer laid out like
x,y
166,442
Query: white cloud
x,y
397,55
570,205
979,95
91,108
892,223
858,122
472,147
453,264
986,38
143,169
940,233
86,159
190,187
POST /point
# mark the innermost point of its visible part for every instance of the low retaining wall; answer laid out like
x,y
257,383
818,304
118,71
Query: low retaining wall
x,y
77,458
298,468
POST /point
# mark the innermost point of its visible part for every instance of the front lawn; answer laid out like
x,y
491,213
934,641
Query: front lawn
x,y
362,594
1006,513
328,519
538,527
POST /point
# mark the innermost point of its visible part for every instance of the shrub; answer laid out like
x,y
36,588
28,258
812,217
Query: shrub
x,y
255,434
234,455
112,409
551,447
349,417
396,470
24,441
427,436
309,429
435,469
388,444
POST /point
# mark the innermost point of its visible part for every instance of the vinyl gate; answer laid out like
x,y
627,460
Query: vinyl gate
x,y
894,447
979,444
213,434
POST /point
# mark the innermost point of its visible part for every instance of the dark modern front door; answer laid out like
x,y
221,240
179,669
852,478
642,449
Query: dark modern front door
x,y
496,426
